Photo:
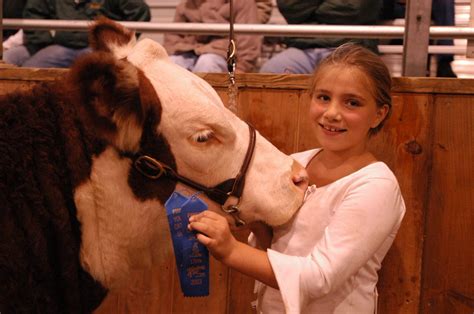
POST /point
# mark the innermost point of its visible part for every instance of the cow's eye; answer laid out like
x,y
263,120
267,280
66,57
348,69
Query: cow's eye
x,y
204,136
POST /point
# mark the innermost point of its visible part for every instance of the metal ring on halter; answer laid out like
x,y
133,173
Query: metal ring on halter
x,y
231,57
231,209
231,50
234,210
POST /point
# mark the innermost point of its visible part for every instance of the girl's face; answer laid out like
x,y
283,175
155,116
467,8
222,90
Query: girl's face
x,y
343,109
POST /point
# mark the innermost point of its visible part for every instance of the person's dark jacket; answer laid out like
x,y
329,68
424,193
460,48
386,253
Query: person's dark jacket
x,y
12,9
331,12
120,10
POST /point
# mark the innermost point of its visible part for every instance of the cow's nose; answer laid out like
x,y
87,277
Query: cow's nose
x,y
299,176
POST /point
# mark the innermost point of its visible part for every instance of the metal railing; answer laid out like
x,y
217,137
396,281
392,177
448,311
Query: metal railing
x,y
271,30
415,34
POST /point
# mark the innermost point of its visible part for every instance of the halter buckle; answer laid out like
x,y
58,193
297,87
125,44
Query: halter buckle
x,y
233,210
149,167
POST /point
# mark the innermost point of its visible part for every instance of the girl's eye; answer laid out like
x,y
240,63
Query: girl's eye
x,y
322,97
353,103
203,136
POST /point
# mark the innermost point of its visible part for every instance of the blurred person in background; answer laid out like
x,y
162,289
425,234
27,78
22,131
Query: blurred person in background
x,y
302,55
264,10
59,49
208,53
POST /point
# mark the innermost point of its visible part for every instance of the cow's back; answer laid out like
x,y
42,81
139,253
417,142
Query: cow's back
x,y
44,153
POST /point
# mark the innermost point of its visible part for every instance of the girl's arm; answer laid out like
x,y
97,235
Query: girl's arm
x,y
214,232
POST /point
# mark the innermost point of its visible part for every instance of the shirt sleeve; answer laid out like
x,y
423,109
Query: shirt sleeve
x,y
35,40
368,215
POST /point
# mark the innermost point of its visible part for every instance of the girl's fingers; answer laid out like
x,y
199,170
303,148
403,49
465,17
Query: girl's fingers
x,y
206,214
205,240
200,226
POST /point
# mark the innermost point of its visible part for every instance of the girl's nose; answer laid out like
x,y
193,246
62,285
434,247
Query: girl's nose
x,y
332,111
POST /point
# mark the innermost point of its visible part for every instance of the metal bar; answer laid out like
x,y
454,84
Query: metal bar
x,y
347,31
172,5
417,33
398,49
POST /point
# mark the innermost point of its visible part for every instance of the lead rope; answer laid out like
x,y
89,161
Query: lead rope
x,y
231,62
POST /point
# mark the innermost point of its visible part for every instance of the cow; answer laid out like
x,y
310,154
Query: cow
x,y
88,161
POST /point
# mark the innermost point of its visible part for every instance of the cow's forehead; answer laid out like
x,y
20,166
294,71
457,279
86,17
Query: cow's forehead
x,y
180,91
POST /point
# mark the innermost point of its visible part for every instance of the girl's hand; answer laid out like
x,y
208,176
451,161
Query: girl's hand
x,y
214,232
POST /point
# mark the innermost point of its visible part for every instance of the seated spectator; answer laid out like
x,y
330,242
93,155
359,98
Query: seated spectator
x,y
302,55
43,49
208,53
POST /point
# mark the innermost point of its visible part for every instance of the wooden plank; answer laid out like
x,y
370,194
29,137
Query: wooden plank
x,y
219,81
301,82
265,81
240,290
404,144
216,302
30,74
274,115
433,85
448,266
306,135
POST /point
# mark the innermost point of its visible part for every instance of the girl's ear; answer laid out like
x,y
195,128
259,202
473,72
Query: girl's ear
x,y
381,114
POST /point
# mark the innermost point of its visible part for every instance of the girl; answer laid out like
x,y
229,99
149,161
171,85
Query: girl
x,y
325,260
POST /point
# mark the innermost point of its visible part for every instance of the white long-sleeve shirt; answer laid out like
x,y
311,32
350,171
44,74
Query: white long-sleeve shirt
x,y
326,259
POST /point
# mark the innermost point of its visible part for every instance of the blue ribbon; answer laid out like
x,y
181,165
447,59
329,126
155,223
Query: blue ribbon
x,y
192,258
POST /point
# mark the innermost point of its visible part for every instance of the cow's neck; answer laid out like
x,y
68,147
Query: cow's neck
x,y
119,232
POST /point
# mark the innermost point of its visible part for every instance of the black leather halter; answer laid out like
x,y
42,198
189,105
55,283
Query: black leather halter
x,y
154,169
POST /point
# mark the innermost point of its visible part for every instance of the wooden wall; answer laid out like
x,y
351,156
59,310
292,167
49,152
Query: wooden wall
x,y
428,143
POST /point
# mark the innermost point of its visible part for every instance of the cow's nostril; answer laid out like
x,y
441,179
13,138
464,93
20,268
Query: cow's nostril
x,y
300,176
301,180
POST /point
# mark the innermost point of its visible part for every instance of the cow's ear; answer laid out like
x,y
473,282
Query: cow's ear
x,y
106,92
108,36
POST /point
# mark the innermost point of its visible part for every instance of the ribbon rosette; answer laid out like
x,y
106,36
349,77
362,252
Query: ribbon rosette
x,y
192,258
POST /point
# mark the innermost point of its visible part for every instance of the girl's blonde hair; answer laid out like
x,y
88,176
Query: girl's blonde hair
x,y
351,54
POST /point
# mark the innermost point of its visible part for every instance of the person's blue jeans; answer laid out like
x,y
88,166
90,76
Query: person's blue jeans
x,y
295,61
208,62
53,56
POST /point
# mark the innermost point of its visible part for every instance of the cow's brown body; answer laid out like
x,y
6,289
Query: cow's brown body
x,y
44,153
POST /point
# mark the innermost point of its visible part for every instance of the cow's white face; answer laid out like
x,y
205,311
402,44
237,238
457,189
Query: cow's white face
x,y
206,141
209,142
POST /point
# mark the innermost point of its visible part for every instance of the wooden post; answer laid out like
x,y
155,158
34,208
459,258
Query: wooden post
x,y
470,42
416,38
